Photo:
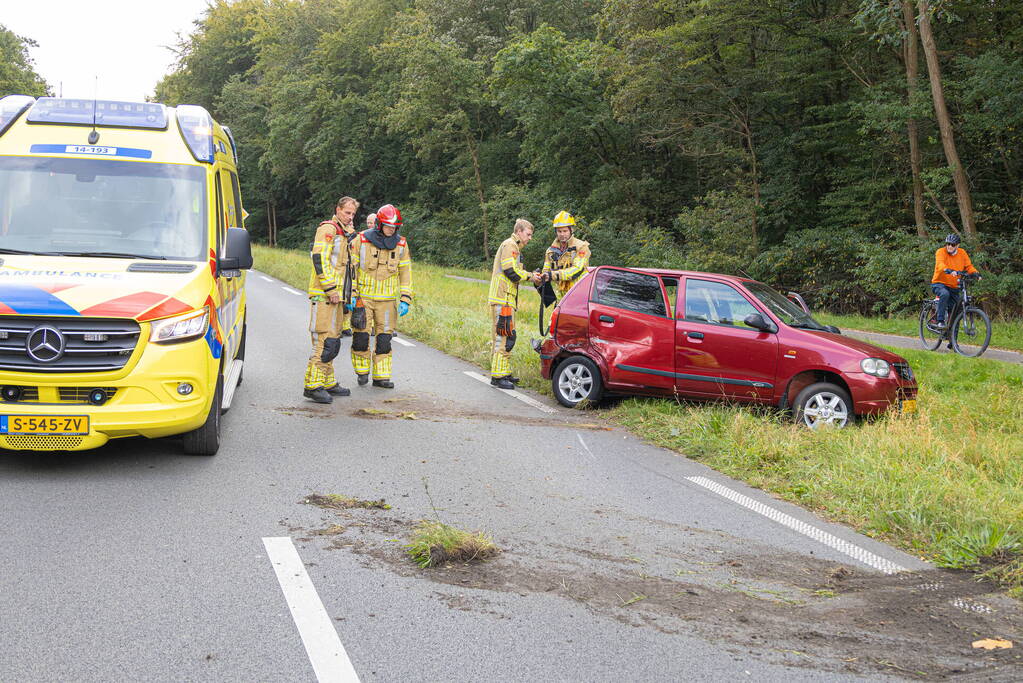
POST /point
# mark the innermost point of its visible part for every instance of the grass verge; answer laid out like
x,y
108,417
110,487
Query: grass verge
x,y
1004,334
943,484
435,543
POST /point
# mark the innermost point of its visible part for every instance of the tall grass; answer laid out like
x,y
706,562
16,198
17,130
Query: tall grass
x,y
946,484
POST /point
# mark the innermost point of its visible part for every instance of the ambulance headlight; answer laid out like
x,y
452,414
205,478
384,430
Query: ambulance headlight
x,y
181,328
196,127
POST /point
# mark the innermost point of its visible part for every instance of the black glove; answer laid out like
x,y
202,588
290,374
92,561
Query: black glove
x,y
505,324
359,315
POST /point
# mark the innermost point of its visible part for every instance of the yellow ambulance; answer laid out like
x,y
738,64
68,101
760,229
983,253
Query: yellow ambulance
x,y
122,286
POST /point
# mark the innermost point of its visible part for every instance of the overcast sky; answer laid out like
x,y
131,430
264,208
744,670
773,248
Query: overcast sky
x,y
123,42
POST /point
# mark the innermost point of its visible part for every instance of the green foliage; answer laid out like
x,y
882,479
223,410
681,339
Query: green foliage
x,y
17,73
746,136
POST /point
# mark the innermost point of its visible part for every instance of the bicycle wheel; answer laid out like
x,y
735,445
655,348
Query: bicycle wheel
x,y
930,336
971,332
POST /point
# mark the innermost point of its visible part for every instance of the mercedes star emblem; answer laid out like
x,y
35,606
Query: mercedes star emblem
x,y
45,344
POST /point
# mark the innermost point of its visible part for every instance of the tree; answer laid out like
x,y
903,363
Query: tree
x,y
962,184
17,72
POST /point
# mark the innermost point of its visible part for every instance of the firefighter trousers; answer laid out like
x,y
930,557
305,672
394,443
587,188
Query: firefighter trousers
x,y
500,357
325,321
381,317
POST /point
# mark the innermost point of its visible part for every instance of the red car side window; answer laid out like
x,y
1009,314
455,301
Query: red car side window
x,y
716,302
629,290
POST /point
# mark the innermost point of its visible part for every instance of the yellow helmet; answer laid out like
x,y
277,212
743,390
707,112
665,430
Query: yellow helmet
x,y
564,220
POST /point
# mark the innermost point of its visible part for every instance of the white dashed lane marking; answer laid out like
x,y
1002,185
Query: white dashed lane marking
x,y
326,653
399,340
264,277
528,400
852,550
289,290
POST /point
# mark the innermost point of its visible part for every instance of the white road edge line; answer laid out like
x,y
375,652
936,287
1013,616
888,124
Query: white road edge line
x,y
326,653
854,551
264,277
289,290
399,340
585,447
528,400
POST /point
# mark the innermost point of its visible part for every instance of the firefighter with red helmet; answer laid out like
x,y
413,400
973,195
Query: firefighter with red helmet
x,y
329,284
503,299
568,257
383,274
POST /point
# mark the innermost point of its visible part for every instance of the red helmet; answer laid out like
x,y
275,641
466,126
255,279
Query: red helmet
x,y
388,214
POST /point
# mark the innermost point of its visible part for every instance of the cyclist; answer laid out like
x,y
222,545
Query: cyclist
x,y
947,260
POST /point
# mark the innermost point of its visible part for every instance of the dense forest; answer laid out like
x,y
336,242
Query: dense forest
x,y
826,146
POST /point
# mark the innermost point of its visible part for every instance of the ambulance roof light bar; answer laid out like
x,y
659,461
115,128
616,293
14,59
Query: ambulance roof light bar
x,y
196,127
109,113
11,107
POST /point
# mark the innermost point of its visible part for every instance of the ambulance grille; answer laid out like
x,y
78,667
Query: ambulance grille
x,y
41,442
81,394
89,344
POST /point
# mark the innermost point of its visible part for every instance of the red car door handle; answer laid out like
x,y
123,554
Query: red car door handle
x,y
694,335
606,319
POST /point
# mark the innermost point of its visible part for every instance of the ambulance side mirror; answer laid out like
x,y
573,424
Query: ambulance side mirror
x,y
237,253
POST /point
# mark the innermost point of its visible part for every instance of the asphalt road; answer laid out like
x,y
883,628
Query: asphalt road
x,y
620,561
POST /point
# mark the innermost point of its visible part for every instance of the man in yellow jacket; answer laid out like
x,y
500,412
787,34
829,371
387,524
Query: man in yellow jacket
x,y
944,283
567,258
503,300
383,274
327,283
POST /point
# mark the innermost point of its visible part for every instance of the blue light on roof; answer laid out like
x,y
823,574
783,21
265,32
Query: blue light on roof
x,y
104,113
11,108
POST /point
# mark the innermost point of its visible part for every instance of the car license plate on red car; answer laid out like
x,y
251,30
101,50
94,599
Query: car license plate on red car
x,y
44,424
909,406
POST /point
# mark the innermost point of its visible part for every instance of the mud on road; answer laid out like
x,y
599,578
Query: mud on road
x,y
782,607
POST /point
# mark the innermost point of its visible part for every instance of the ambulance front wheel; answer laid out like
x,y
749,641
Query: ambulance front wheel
x,y
206,439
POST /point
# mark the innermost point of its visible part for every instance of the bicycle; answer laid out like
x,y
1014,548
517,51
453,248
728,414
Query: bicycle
x,y
969,331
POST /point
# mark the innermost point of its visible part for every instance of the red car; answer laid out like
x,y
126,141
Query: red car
x,y
710,336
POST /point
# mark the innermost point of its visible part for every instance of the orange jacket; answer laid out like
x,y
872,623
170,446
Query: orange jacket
x,y
943,260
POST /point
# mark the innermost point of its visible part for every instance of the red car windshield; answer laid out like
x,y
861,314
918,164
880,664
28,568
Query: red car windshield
x,y
786,311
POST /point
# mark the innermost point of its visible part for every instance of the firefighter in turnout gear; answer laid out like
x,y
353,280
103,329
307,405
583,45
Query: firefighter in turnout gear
x,y
383,271
567,258
330,288
504,299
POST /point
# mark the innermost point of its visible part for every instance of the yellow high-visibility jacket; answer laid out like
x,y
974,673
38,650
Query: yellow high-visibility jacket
x,y
566,265
382,274
507,273
330,256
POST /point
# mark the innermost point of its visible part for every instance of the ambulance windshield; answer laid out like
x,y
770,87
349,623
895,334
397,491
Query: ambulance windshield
x,y
100,207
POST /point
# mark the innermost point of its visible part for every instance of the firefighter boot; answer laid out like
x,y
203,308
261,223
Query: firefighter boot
x,y
319,395
338,390
501,383
383,383
363,379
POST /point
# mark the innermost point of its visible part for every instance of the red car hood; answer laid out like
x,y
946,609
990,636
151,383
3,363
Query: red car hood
x,y
863,347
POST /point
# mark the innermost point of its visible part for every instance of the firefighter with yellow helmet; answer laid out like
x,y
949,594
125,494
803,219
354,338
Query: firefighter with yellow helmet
x,y
503,299
383,274
567,258
330,286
